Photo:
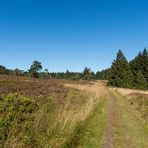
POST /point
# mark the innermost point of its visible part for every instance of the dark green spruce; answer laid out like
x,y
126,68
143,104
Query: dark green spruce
x,y
139,67
120,74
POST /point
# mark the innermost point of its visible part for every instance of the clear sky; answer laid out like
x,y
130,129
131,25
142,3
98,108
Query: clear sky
x,y
71,34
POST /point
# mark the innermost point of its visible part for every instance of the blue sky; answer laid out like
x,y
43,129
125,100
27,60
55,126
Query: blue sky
x,y
71,34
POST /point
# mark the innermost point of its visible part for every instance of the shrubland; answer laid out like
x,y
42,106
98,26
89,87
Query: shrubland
x,y
40,112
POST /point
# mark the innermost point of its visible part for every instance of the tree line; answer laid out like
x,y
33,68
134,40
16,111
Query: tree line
x,y
132,74
36,71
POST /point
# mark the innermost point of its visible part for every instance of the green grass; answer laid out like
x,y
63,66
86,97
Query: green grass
x,y
89,134
130,130
30,122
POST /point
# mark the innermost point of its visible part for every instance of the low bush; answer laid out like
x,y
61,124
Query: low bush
x,y
14,110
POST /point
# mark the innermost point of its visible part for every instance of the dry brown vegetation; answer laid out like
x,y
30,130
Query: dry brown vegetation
x,y
139,102
59,107
30,86
126,91
98,87
49,113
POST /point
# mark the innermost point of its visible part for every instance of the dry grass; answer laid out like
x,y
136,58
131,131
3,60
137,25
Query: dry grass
x,y
30,87
97,88
140,103
126,92
69,115
61,106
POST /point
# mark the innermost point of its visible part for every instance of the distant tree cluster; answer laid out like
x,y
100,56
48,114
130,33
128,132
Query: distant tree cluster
x,y
36,71
103,75
87,74
4,70
133,74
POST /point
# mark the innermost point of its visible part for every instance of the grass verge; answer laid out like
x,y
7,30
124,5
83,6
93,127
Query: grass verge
x,y
29,120
130,129
89,134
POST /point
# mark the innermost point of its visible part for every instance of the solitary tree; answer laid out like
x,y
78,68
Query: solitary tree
x,y
35,68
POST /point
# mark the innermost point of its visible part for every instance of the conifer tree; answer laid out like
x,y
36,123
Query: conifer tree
x,y
139,80
144,63
35,68
140,63
120,74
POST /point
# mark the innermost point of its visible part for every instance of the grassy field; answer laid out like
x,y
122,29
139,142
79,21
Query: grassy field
x,y
130,129
39,113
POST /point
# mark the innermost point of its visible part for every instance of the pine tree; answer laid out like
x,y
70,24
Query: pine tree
x,y
144,63
120,74
139,80
140,63
35,68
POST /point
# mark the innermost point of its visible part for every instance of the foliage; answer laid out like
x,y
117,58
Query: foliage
x,y
103,75
3,70
18,72
88,74
121,74
28,116
15,110
139,67
139,80
35,68
131,75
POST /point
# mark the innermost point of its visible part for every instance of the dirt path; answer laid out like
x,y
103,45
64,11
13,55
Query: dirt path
x,y
109,125
123,126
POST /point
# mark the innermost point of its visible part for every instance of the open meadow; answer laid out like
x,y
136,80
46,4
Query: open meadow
x,y
52,113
